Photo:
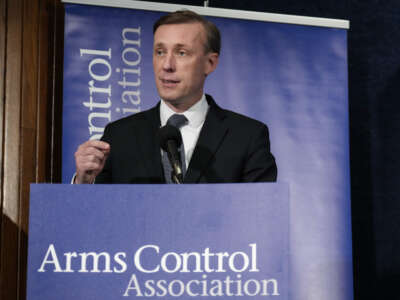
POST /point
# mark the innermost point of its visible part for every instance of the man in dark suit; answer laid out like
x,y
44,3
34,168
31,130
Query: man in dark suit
x,y
219,145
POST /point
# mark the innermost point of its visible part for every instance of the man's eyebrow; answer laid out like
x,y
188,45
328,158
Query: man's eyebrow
x,y
180,45
159,44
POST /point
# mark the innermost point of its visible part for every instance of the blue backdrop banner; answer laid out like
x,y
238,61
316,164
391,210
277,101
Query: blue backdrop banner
x,y
291,77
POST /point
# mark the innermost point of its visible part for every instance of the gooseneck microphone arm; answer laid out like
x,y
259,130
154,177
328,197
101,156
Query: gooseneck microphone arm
x,y
170,140
175,161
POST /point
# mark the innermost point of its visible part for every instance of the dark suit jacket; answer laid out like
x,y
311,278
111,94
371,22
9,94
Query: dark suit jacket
x,y
230,148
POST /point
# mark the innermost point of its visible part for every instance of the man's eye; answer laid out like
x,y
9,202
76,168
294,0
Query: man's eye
x,y
181,53
159,52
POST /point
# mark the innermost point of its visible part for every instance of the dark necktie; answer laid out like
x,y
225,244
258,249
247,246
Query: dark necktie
x,y
177,121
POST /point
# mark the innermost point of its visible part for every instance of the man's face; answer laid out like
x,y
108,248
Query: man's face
x,y
181,64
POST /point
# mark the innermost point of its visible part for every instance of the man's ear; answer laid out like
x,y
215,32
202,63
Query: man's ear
x,y
212,62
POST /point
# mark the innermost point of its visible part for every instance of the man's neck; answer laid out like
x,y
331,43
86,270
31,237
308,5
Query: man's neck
x,y
195,114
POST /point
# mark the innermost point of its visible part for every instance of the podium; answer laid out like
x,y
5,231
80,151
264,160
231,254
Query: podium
x,y
158,241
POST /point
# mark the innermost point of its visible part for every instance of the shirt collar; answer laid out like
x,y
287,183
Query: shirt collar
x,y
195,114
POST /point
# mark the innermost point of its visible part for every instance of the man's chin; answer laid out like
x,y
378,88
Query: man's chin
x,y
176,104
170,97
173,101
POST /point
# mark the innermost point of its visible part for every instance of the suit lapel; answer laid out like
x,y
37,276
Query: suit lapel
x,y
148,143
211,137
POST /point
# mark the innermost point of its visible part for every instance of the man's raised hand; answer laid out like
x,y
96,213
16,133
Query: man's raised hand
x,y
90,158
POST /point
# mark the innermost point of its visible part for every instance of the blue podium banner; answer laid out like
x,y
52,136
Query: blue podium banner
x,y
161,241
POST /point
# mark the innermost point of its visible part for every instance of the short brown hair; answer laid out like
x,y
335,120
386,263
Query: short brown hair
x,y
187,16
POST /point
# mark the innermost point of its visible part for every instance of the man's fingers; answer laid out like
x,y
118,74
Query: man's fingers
x,y
84,161
86,147
90,158
90,152
102,146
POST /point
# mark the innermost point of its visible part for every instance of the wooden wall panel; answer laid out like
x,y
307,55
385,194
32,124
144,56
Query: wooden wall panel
x,y
45,68
31,35
12,110
11,145
55,98
3,22
29,103
3,13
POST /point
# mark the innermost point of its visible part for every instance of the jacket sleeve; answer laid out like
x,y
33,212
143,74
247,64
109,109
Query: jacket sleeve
x,y
260,165
105,176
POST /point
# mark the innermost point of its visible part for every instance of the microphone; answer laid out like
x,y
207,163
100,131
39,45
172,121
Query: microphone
x,y
170,140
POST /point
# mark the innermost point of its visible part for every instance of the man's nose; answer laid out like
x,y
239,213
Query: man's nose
x,y
169,63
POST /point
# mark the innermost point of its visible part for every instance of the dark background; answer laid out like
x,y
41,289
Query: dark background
x,y
374,102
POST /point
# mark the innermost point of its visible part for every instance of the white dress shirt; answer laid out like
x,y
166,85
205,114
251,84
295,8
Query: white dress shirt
x,y
196,116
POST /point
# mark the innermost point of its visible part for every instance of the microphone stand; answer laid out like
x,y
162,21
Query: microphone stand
x,y
175,178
